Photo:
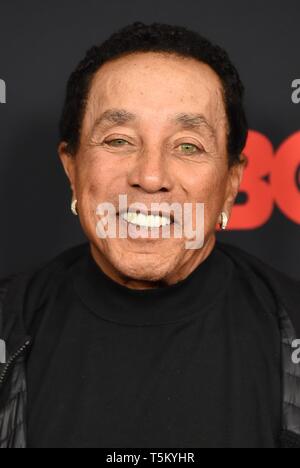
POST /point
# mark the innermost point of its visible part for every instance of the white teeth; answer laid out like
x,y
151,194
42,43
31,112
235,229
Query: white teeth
x,y
152,221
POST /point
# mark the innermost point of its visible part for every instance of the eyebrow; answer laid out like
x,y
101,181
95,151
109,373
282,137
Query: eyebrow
x,y
114,117
187,121
191,121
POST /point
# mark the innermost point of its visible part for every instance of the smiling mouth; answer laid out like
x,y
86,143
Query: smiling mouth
x,y
147,220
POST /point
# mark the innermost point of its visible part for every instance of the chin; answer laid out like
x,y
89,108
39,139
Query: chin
x,y
144,267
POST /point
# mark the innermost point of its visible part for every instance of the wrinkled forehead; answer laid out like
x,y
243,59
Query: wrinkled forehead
x,y
154,86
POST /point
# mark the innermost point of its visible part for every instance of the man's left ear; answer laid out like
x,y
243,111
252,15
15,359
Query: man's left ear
x,y
235,177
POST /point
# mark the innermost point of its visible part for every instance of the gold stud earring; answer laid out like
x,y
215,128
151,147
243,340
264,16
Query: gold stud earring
x,y
224,221
74,207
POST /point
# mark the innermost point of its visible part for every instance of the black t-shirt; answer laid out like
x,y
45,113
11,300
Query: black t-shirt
x,y
195,364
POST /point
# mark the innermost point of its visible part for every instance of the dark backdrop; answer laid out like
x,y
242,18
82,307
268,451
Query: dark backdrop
x,y
40,44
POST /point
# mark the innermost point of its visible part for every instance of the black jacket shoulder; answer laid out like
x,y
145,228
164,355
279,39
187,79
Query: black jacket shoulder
x,y
284,289
16,289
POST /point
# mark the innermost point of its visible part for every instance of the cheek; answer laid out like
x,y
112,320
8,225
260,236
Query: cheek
x,y
96,185
92,185
207,184
90,190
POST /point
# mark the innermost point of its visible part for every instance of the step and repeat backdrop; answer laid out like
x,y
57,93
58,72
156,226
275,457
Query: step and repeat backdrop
x,y
41,43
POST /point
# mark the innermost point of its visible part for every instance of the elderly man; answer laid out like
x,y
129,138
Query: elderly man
x,y
152,334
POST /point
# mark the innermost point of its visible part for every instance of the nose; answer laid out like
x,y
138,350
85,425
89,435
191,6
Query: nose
x,y
151,172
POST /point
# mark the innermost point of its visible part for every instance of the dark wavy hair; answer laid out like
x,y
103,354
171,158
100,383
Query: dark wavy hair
x,y
139,37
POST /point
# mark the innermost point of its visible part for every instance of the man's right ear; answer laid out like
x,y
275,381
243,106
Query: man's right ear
x,y
68,162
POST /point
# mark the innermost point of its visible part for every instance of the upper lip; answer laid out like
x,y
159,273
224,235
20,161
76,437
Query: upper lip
x,y
166,214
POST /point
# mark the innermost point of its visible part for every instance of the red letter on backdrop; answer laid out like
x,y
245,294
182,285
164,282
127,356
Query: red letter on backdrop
x,y
259,205
284,177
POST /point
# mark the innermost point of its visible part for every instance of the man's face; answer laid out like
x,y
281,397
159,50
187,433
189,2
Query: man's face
x,y
153,150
